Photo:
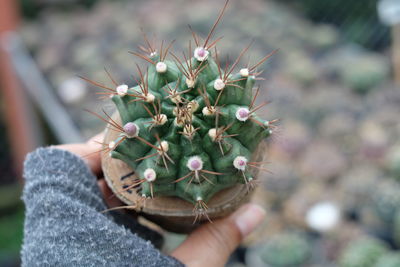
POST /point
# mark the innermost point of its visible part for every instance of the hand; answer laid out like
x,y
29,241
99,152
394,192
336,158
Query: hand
x,y
209,245
213,243
87,151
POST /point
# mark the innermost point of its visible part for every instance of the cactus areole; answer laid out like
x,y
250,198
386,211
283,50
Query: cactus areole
x,y
188,128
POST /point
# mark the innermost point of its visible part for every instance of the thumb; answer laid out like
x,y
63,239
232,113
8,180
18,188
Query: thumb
x,y
212,243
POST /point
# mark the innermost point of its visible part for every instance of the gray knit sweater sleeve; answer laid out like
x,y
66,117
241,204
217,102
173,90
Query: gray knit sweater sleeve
x,y
64,225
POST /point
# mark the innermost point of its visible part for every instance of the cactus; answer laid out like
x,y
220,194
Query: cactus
x,y
188,128
363,252
393,161
386,200
286,249
390,259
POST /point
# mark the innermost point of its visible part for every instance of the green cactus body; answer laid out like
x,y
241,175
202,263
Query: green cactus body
x,y
363,252
188,128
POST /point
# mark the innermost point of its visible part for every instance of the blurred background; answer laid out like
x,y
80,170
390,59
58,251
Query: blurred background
x,y
334,191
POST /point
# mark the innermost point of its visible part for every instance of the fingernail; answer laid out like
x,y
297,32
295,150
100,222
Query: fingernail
x,y
248,217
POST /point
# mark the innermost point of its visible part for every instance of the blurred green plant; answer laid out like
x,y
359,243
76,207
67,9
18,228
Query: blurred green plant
x,y
11,233
31,8
11,222
393,162
363,252
286,249
363,73
386,200
358,20
390,259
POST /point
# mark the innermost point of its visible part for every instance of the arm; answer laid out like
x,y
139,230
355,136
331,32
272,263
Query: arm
x,y
64,224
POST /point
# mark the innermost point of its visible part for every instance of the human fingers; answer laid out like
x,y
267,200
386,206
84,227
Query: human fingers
x,y
212,243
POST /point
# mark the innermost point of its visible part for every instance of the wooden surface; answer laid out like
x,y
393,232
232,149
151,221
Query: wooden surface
x,y
171,213
17,111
